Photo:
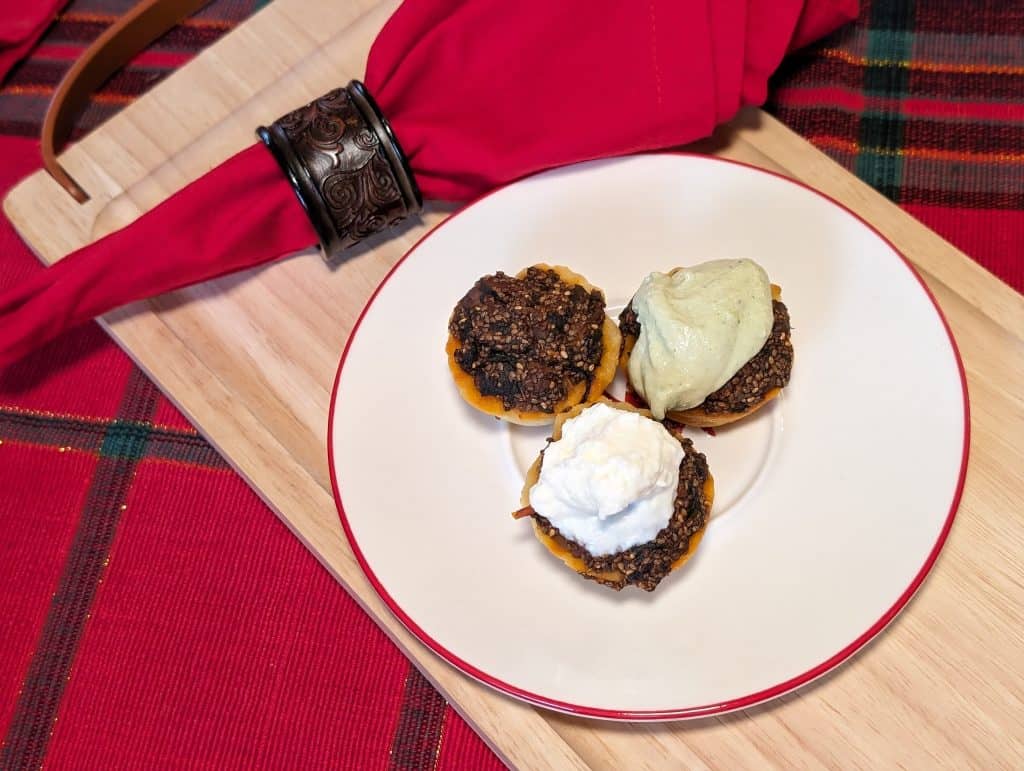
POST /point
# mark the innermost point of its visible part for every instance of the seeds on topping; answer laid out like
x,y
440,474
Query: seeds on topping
x,y
528,341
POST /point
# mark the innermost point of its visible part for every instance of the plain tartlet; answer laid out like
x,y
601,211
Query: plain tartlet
x,y
759,381
513,346
647,564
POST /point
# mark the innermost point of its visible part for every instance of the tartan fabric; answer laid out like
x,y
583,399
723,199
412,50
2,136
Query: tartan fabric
x,y
156,614
924,101
27,90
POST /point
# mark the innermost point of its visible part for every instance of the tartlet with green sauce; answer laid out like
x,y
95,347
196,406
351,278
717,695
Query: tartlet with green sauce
x,y
704,314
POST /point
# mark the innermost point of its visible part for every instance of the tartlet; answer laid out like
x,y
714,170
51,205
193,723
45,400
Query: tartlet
x,y
759,381
524,348
647,564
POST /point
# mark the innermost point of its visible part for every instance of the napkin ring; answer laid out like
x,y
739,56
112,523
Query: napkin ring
x,y
345,165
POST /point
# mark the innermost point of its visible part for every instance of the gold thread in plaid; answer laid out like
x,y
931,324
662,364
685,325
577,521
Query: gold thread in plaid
x,y
73,433
123,445
416,744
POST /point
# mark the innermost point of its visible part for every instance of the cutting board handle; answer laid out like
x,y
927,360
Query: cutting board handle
x,y
130,34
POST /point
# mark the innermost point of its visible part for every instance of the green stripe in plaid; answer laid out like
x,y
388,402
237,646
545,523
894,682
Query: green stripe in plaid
x,y
889,40
114,438
43,688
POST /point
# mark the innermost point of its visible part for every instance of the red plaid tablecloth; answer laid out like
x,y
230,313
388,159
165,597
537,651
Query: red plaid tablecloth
x,y
155,613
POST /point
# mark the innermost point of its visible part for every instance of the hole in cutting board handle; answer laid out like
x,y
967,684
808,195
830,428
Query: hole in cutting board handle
x,y
115,47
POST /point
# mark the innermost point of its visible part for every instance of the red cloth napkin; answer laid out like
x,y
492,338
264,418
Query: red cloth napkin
x,y
189,235
22,23
479,93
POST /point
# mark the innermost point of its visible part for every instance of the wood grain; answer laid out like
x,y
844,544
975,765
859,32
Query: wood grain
x,y
943,686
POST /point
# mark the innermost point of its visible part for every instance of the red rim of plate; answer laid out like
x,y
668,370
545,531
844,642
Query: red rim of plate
x,y
685,712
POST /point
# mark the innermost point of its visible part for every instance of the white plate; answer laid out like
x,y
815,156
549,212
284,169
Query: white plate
x,y
831,505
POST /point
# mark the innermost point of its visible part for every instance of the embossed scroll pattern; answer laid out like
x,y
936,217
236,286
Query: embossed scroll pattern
x,y
343,166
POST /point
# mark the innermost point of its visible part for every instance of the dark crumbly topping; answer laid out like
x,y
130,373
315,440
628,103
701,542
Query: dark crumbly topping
x,y
528,341
770,368
645,565
629,324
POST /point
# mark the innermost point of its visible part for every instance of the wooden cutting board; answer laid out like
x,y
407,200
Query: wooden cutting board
x,y
251,359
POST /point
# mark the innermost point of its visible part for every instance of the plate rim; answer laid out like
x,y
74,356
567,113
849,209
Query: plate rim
x,y
682,713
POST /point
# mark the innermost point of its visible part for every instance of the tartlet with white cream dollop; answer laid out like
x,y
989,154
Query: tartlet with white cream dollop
x,y
618,496
707,345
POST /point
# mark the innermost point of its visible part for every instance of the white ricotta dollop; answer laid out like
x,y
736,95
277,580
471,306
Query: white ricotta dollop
x,y
698,327
610,481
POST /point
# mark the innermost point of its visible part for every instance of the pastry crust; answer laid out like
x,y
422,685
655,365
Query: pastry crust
x,y
697,416
604,371
574,562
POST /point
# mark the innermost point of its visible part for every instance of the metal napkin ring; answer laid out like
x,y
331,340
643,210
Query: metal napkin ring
x,y
345,165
